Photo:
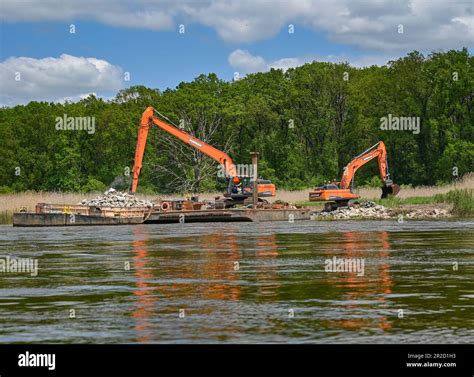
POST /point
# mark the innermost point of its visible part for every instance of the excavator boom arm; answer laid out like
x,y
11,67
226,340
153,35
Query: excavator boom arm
x,y
377,151
149,118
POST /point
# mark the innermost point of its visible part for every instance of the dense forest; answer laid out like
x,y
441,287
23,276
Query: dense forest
x,y
306,123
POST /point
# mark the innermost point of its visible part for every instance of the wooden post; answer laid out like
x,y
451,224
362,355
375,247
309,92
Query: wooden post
x,y
255,177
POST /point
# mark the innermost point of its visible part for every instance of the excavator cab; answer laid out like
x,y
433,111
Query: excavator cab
x,y
330,186
240,188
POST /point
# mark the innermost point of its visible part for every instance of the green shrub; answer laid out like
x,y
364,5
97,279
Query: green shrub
x,y
5,190
93,185
374,182
294,184
461,199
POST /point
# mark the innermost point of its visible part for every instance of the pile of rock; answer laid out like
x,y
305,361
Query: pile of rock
x,y
370,210
114,198
428,213
366,210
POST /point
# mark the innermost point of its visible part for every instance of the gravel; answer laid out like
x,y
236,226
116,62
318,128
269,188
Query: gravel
x,y
371,210
114,198
365,210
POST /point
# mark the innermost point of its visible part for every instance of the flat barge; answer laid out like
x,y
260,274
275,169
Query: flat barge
x,y
80,215
60,215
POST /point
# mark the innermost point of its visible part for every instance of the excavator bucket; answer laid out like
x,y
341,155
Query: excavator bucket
x,y
391,189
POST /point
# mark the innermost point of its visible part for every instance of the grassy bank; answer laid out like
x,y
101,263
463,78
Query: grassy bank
x,y
459,195
462,201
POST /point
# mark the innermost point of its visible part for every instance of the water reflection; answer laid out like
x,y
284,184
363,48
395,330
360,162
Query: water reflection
x,y
221,267
211,274
280,266
145,299
375,284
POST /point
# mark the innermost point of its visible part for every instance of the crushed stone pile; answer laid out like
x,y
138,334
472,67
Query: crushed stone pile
x,y
364,210
428,213
371,210
114,198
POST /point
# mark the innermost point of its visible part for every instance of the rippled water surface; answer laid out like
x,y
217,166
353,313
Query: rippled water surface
x,y
241,282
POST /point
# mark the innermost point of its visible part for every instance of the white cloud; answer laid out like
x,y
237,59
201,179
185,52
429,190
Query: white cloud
x,y
369,24
156,15
287,63
244,62
55,79
243,20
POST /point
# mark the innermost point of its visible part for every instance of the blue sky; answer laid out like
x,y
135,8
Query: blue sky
x,y
112,37
157,59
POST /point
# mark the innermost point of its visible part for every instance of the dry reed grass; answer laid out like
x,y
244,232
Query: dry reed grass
x,y
466,182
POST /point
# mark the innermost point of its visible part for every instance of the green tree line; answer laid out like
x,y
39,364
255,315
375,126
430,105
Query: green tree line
x,y
306,123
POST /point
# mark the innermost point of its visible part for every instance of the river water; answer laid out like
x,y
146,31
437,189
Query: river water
x,y
241,283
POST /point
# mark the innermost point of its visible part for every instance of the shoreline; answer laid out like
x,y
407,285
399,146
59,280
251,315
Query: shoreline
x,y
451,201
406,212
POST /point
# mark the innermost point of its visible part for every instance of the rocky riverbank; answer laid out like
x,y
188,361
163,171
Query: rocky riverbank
x,y
371,210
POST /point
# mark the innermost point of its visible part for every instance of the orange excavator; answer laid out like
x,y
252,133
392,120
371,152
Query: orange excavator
x,y
238,188
338,194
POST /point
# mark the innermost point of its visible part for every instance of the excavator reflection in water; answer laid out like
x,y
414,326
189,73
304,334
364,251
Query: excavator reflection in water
x,y
145,292
218,273
167,281
373,285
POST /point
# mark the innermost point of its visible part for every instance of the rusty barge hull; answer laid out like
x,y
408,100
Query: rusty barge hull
x,y
228,215
31,219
